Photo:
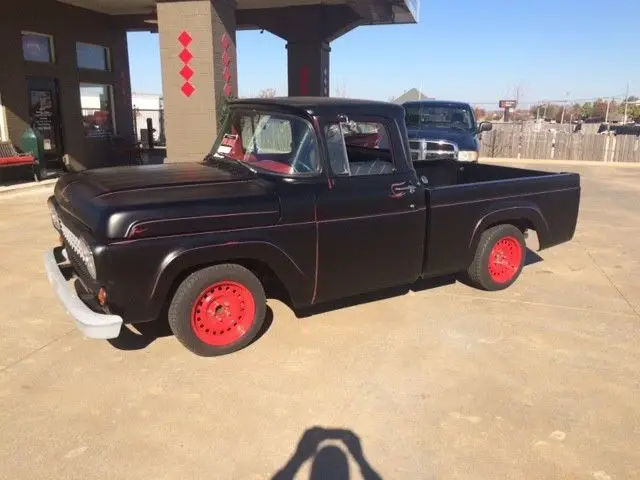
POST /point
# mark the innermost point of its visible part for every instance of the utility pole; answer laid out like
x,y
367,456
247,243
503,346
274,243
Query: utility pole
x,y
563,109
626,102
606,117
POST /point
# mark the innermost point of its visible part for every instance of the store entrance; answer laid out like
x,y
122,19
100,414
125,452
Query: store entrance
x,y
46,117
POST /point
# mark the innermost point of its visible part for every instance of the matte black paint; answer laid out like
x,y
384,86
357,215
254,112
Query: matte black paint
x,y
324,237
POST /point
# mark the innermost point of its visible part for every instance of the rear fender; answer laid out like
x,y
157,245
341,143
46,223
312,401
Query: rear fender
x,y
519,214
298,283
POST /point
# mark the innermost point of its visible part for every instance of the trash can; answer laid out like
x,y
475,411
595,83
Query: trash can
x,y
33,143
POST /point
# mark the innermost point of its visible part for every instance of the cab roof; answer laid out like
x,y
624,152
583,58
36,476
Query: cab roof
x,y
325,105
436,103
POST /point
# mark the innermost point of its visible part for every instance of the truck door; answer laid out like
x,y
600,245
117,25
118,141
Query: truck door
x,y
372,217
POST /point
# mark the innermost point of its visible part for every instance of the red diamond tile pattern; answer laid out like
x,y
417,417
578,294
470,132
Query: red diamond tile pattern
x,y
185,56
186,71
187,89
185,39
225,41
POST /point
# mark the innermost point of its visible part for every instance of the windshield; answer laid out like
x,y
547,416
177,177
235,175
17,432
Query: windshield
x,y
273,142
439,116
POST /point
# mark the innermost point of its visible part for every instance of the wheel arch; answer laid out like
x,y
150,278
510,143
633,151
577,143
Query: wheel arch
x,y
282,277
521,216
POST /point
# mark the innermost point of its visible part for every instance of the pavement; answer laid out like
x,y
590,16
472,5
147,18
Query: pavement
x,y
539,381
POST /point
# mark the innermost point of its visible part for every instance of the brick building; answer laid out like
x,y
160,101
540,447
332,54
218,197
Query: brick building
x,y
64,65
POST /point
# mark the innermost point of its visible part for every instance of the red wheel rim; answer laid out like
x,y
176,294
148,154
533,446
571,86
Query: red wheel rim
x,y
223,313
504,259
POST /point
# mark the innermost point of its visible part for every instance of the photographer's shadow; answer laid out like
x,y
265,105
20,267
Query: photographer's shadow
x,y
329,462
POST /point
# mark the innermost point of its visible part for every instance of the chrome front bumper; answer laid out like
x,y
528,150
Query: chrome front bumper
x,y
91,324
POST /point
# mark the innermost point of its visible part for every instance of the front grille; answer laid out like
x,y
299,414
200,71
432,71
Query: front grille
x,y
79,267
424,149
79,253
440,147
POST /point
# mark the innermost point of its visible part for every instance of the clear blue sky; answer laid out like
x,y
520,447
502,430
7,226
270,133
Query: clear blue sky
x,y
478,51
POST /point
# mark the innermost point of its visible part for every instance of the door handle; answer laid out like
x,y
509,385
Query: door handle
x,y
400,189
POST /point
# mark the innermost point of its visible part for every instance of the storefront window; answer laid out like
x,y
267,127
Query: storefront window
x,y
97,110
92,57
37,47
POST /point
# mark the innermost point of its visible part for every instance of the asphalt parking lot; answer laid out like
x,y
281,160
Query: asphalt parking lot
x,y
539,381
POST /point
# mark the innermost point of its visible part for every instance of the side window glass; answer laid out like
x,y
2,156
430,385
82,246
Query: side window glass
x,y
336,149
358,148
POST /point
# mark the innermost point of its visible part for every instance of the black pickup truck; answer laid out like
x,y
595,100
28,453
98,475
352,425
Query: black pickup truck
x,y
315,195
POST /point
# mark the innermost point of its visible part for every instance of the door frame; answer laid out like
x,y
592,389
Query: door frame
x,y
396,207
4,126
38,82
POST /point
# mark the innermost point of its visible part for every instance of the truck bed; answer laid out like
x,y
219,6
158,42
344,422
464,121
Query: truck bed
x,y
465,198
447,173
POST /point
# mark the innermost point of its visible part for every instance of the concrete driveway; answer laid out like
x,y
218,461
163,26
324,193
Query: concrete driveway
x,y
540,381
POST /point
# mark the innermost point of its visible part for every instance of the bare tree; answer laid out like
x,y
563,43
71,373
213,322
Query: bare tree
x,y
479,112
267,93
340,90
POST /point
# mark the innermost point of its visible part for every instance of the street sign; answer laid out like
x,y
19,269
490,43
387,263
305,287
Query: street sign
x,y
508,103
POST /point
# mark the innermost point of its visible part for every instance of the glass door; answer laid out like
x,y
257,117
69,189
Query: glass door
x,y
46,118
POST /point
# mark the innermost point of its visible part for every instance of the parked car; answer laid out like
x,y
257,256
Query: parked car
x,y
439,129
290,196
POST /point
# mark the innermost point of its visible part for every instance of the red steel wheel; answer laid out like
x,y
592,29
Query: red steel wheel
x,y
218,310
223,313
498,259
505,259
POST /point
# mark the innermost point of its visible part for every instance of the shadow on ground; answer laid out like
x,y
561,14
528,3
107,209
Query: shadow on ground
x,y
328,461
419,286
141,335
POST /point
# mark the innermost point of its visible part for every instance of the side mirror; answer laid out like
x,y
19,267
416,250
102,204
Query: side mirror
x,y
485,127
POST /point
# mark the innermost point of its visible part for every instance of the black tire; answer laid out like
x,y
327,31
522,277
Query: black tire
x,y
185,322
483,272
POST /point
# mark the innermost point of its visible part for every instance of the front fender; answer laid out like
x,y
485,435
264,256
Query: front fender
x,y
514,213
298,283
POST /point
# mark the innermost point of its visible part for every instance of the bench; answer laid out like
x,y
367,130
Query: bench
x,y
10,157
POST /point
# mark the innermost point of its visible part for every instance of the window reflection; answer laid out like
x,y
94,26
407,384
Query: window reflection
x,y
92,57
97,109
37,47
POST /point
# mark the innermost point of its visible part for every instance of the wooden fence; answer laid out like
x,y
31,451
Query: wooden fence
x,y
512,143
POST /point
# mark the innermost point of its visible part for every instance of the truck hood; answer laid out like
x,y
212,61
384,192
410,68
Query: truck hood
x,y
464,140
157,200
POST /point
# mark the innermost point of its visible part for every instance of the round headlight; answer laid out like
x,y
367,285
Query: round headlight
x,y
55,219
468,156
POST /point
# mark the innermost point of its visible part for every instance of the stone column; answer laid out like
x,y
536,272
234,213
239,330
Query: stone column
x,y
308,65
199,72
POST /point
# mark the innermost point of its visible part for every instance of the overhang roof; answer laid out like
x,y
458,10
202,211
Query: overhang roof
x,y
396,11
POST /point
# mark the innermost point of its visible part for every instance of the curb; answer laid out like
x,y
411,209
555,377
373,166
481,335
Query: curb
x,y
589,163
26,187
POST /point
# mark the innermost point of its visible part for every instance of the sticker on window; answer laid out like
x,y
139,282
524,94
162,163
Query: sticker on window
x,y
227,144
